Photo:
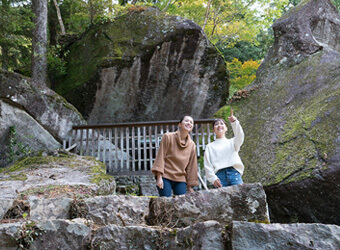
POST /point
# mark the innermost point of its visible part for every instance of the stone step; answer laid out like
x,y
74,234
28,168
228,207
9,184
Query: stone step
x,y
80,234
246,202
256,236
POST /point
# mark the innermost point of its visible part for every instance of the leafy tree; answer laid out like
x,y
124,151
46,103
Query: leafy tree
x,y
241,74
15,35
234,20
60,19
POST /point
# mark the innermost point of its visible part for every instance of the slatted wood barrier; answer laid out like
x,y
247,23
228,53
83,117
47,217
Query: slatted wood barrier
x,y
131,148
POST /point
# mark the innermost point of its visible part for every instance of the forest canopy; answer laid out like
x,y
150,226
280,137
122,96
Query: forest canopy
x,y
240,29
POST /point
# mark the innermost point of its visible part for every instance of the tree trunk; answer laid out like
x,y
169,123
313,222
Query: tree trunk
x,y
4,55
62,27
206,15
39,42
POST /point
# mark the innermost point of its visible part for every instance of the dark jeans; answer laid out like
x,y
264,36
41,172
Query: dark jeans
x,y
168,185
229,176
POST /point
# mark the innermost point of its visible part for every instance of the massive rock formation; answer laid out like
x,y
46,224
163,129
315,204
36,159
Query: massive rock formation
x,y
291,119
144,66
42,118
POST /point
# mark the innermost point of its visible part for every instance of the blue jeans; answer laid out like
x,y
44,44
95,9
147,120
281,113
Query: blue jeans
x,y
168,185
229,176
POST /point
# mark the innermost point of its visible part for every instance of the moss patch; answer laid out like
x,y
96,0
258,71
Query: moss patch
x,y
29,162
115,43
56,191
258,221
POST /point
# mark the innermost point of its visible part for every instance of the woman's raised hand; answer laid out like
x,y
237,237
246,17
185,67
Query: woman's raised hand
x,y
232,118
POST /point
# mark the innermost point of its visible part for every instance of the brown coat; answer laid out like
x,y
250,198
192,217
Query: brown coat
x,y
176,161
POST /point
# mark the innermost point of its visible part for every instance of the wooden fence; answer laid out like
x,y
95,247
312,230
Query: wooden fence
x,y
131,148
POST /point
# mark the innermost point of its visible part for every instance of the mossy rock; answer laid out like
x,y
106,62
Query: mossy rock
x,y
290,122
57,170
119,70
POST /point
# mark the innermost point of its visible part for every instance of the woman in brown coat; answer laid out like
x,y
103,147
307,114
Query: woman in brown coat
x,y
175,166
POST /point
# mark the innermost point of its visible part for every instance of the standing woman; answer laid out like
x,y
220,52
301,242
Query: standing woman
x,y
223,165
175,166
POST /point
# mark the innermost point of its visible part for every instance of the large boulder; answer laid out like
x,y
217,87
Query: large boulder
x,y
291,119
144,65
245,202
32,116
17,127
49,109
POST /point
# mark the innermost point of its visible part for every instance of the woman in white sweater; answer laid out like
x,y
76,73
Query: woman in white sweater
x,y
223,165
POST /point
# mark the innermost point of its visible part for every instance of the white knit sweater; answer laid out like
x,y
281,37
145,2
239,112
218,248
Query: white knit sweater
x,y
223,153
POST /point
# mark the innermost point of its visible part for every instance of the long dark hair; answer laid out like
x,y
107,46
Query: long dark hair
x,y
219,119
180,121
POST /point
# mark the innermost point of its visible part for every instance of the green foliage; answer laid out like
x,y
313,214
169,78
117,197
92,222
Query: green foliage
x,y
241,74
56,63
15,36
28,233
16,149
336,4
228,20
75,15
244,50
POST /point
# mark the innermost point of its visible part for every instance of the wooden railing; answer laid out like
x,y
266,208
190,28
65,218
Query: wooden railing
x,y
130,148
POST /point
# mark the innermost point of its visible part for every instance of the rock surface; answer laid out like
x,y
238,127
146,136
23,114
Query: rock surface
x,y
29,132
104,229
291,118
246,202
42,118
50,209
6,204
203,235
8,235
140,65
116,209
49,109
62,234
245,235
56,170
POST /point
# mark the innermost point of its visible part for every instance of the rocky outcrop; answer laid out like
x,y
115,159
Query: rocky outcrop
x,y
118,222
144,66
28,132
49,109
291,118
42,118
58,171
